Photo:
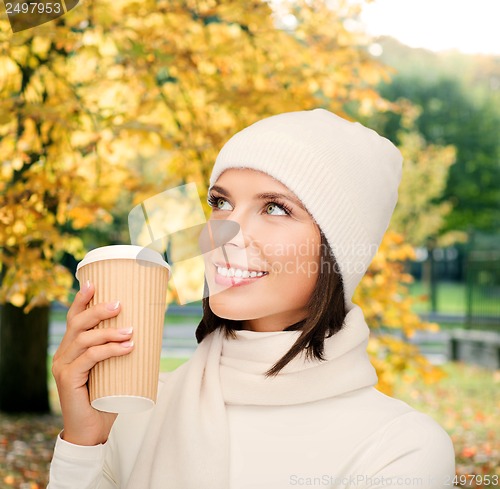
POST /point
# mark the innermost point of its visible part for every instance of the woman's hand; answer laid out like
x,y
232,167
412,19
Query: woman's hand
x,y
80,349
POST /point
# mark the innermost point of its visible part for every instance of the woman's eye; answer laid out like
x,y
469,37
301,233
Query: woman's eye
x,y
221,201
217,203
276,206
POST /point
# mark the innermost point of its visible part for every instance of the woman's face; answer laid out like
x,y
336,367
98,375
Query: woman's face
x,y
278,237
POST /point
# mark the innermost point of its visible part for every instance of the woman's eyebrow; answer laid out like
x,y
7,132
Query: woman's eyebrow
x,y
265,196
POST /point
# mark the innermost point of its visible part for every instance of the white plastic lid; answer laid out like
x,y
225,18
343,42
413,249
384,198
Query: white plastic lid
x,y
122,404
128,252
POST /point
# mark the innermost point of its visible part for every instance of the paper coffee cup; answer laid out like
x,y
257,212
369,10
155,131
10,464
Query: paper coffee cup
x,y
137,277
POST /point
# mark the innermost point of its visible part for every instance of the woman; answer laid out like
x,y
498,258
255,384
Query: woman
x,y
280,391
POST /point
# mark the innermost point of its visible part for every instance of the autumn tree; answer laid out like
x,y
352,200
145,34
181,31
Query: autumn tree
x,y
56,179
117,101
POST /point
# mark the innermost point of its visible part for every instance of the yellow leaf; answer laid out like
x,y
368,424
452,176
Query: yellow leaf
x,y
17,299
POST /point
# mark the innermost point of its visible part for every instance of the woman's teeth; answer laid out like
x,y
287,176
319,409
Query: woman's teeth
x,y
237,272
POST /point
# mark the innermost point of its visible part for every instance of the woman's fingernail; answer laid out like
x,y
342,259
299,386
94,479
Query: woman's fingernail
x,y
86,286
128,344
126,330
113,306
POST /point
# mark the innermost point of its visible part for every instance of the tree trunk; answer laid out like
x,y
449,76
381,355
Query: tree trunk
x,y
23,360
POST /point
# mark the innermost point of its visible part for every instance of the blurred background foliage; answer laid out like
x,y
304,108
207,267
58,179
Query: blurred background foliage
x,y
451,99
120,100
114,103
117,101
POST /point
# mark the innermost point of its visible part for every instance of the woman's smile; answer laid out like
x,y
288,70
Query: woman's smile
x,y
232,276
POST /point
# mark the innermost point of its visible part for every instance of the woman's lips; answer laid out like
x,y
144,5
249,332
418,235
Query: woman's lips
x,y
235,281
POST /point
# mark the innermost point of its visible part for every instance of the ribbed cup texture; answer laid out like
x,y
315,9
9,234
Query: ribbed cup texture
x,y
142,291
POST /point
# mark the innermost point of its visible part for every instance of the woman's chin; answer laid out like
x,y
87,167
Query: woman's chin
x,y
228,310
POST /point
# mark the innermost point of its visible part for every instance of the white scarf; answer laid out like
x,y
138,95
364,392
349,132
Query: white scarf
x,y
186,445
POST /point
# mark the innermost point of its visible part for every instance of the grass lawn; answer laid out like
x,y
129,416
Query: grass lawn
x,y
466,404
451,298
168,364
60,316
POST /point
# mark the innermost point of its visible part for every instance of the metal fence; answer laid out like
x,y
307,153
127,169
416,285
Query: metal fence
x,y
483,290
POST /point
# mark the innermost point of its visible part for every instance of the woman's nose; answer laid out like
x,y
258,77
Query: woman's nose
x,y
239,240
244,236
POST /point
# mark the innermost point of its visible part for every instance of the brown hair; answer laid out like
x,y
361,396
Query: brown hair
x,y
326,316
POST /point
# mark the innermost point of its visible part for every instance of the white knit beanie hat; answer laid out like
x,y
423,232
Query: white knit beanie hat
x,y
345,174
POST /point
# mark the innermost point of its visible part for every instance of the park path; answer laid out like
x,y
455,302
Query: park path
x,y
179,341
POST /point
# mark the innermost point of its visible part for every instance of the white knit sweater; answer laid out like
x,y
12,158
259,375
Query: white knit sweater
x,y
317,424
